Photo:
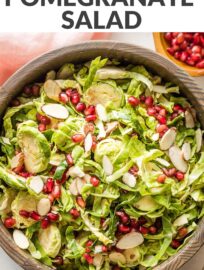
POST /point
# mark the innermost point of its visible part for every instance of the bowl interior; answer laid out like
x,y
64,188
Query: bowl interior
x,y
84,52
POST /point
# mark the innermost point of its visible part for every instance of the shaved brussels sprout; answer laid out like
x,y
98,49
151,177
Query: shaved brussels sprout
x,y
11,179
6,199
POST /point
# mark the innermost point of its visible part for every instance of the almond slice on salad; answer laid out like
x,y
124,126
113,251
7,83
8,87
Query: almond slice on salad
x,y
20,239
180,221
98,260
117,257
55,111
36,184
130,240
190,123
43,206
17,160
52,90
186,150
155,137
110,127
80,183
168,139
176,157
75,171
163,162
129,179
101,112
107,165
88,142
73,187
199,138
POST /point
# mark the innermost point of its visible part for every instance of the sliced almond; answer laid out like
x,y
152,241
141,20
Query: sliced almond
x,y
180,221
52,90
101,112
88,142
102,132
110,127
73,188
168,139
129,179
176,157
56,111
20,239
43,206
17,160
87,177
130,240
75,171
36,184
80,183
117,257
107,165
186,150
198,137
163,162
189,119
98,260
155,137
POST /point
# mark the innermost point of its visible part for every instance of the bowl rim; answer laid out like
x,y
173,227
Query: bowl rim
x,y
193,245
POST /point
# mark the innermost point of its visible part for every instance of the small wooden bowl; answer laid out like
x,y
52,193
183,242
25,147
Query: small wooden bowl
x,y
80,53
161,46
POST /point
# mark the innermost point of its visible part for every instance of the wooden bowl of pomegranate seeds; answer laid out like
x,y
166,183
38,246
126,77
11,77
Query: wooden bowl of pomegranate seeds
x,y
125,53
190,59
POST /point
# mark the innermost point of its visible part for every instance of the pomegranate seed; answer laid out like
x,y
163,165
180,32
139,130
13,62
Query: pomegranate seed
x,y
88,250
190,62
161,119
75,213
134,170
89,243
142,220
168,36
45,223
90,110
174,115
56,192
63,98
25,174
27,90
171,172
161,128
18,169
184,45
53,216
158,223
69,160
177,55
94,181
200,64
182,232
38,116
91,118
24,213
49,185
78,138
175,244
184,56
42,127
161,178
196,57
175,34
123,228
88,258
15,102
134,224
9,222
179,176
149,101
152,230
180,38
80,107
102,221
58,261
133,101
34,215
75,99
94,144
36,90
151,111
175,48
80,201
196,49
45,120
158,108
142,99
170,51
124,218
177,107
104,249
188,36
143,230
162,112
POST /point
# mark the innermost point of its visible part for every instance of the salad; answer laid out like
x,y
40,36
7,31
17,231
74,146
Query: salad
x,y
101,167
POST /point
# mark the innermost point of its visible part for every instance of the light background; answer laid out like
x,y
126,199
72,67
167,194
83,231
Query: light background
x,y
145,40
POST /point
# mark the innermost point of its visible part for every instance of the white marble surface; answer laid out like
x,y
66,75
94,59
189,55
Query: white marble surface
x,y
145,40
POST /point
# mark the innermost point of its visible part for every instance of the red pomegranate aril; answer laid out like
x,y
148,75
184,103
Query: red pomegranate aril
x,y
42,127
94,144
175,34
182,232
183,56
18,169
63,97
133,101
142,98
27,90
45,223
175,244
200,64
91,109
75,99
35,216
78,138
161,178
36,90
91,118
190,62
168,36
89,243
162,112
56,192
69,160
161,128
184,45
94,181
142,220
158,108
9,222
172,172
69,92
58,261
15,102
88,258
196,38
177,55
80,201
143,230
104,248
134,224
53,216
177,107
188,36
174,115
124,218
161,119
80,107
123,228
151,111
75,213
180,38
170,51
196,49
49,185
149,101
38,116
152,230
196,57
134,170
25,174
179,176
88,250
175,48
24,213
45,120
158,223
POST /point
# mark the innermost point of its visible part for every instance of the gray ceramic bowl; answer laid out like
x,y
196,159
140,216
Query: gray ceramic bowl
x,y
79,53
